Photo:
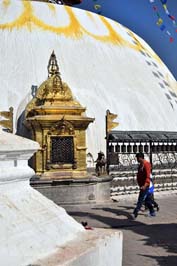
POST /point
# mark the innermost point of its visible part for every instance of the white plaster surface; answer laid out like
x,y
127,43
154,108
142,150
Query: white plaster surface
x,y
12,143
106,65
31,226
96,248
14,154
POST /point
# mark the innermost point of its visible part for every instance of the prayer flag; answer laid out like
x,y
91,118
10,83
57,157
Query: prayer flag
x,y
163,1
162,27
159,22
172,17
97,7
171,39
165,7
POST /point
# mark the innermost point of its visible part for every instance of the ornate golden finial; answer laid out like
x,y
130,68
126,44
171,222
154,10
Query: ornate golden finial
x,y
53,68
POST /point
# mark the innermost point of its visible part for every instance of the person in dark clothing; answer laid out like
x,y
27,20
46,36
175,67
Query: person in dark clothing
x,y
143,180
100,164
151,195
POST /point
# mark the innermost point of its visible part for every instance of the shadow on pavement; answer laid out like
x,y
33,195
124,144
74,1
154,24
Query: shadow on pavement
x,y
155,235
163,260
97,217
161,235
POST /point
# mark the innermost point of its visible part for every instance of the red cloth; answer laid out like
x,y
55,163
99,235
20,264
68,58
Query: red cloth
x,y
88,228
144,172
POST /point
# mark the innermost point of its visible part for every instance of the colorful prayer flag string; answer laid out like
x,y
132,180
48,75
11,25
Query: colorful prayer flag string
x,y
167,12
160,22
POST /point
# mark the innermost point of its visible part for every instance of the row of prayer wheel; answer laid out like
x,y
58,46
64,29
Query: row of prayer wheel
x,y
142,148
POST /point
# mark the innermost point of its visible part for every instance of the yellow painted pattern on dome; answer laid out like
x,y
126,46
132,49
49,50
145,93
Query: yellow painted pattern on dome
x,y
172,83
140,47
112,37
90,15
73,29
28,19
6,3
52,7
23,20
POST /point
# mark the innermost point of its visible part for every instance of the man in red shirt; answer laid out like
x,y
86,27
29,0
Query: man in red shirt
x,y
143,180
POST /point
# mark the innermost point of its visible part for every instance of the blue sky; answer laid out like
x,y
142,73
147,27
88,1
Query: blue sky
x,y
141,18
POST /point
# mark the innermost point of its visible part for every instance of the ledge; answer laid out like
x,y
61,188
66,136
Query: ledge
x,y
35,181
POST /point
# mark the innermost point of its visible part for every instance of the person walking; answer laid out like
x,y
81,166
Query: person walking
x,y
143,180
151,195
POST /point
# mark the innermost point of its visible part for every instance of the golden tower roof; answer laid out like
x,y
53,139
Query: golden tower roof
x,y
53,95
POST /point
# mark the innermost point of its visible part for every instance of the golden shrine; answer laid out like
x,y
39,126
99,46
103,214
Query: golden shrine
x,y
58,123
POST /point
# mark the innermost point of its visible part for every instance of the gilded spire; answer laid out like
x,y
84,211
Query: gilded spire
x,y
53,68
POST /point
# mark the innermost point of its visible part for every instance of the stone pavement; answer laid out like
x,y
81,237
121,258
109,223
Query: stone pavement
x,y
148,241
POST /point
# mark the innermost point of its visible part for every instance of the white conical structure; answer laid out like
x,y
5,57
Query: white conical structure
x,y
105,64
31,226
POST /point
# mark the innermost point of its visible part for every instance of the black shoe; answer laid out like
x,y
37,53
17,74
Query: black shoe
x,y
158,208
152,214
135,213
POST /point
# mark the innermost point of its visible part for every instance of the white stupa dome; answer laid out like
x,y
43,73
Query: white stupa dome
x,y
106,66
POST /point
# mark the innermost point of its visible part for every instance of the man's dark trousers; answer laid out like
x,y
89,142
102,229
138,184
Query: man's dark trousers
x,y
144,196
